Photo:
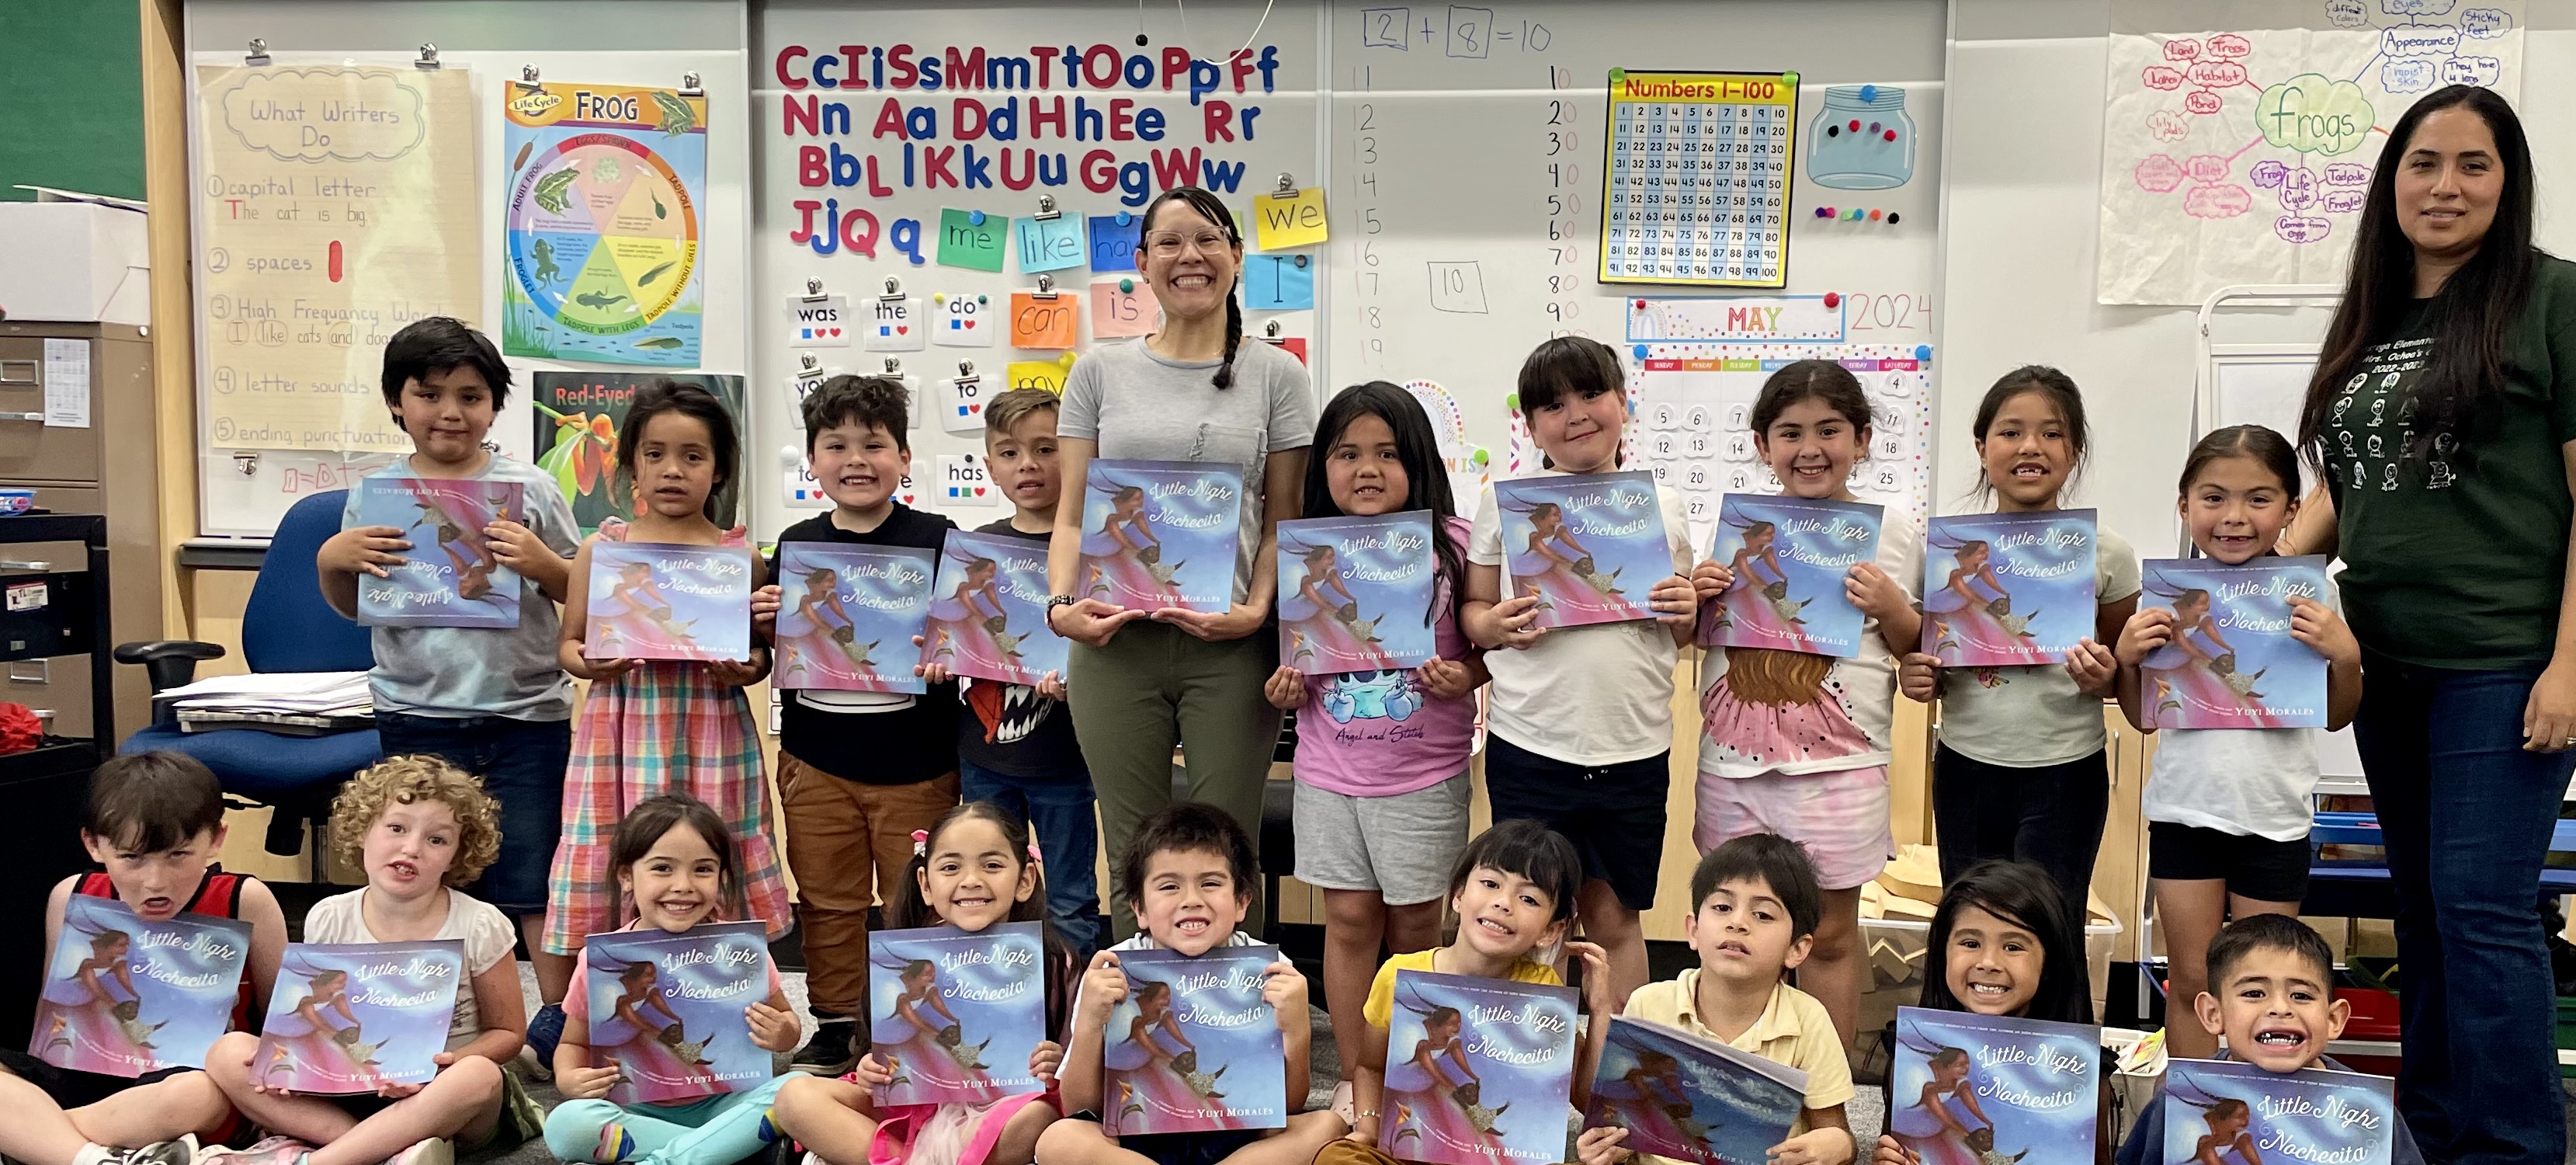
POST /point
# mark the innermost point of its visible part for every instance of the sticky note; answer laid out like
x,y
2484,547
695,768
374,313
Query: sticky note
x,y
895,325
1278,283
1046,374
962,321
962,408
1289,220
1043,323
1050,244
823,323
974,246
1113,243
1116,313
964,482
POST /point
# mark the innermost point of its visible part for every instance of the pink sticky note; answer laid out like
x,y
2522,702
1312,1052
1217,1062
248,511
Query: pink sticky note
x,y
1116,313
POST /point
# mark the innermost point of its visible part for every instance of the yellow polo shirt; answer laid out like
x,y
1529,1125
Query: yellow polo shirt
x,y
1380,1006
1793,1030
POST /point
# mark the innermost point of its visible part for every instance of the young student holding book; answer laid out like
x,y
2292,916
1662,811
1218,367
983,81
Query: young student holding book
x,y
656,726
1759,905
2228,809
1187,878
1796,743
2272,996
675,859
1581,718
154,823
494,702
857,771
973,868
1380,815
2000,943
420,828
1015,742
2022,769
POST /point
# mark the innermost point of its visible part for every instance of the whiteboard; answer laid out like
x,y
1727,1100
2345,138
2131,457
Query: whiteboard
x,y
244,492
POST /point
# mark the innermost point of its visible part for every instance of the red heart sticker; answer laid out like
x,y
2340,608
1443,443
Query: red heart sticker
x,y
970,325
974,408
834,332
900,329
979,491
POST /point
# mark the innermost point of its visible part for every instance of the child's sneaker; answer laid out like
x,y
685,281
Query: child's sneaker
x,y
174,1152
434,1151
831,1051
273,1151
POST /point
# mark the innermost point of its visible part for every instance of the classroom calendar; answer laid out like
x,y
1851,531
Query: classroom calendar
x,y
1696,186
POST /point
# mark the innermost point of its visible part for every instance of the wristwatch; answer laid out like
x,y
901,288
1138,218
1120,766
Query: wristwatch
x,y
1055,601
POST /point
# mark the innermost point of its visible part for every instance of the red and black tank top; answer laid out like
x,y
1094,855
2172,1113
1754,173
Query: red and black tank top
x,y
218,896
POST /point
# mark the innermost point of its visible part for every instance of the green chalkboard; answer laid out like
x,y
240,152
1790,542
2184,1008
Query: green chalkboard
x,y
71,79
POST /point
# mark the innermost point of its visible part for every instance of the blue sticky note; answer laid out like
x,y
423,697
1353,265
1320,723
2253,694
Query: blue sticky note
x,y
1278,283
1113,241
1048,244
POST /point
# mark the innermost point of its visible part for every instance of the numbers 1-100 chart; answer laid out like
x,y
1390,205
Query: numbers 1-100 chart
x,y
1695,189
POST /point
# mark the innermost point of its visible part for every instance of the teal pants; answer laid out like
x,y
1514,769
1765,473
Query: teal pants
x,y
718,1130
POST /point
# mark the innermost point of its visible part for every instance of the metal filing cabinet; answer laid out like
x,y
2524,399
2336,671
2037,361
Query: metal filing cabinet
x,y
109,468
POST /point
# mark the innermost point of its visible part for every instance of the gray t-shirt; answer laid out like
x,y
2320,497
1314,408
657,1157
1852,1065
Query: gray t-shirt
x,y
1142,407
483,671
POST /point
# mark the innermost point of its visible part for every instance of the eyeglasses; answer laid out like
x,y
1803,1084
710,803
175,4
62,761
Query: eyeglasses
x,y
1167,244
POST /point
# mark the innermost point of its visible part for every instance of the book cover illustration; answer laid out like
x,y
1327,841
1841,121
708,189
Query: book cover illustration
x,y
1691,1099
1478,1070
988,611
1194,1047
1355,594
2231,1111
1792,558
2231,662
956,1015
2006,590
575,419
654,600
668,1009
1589,546
353,1017
1159,534
847,616
448,578
1973,1089
125,995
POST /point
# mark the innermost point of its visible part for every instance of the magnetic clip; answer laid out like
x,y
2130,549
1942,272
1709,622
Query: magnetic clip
x,y
428,58
814,291
1046,288
258,54
893,288
527,82
1287,185
1046,209
689,86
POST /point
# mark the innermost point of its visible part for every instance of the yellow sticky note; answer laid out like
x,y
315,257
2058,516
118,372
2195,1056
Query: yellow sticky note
x,y
1290,220
1043,322
1046,374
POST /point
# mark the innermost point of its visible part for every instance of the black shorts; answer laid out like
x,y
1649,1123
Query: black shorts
x,y
69,1090
1614,814
2253,867
1203,1148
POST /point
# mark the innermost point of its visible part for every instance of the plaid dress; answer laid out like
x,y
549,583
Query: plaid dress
x,y
664,727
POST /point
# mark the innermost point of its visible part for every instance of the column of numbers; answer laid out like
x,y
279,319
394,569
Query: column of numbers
x,y
1561,147
1368,275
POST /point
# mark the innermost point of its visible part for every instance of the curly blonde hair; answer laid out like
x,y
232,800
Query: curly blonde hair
x,y
409,780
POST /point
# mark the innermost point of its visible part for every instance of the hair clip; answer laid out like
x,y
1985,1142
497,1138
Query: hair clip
x,y
920,842
1033,854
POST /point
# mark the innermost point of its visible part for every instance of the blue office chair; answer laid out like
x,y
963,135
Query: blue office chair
x,y
287,627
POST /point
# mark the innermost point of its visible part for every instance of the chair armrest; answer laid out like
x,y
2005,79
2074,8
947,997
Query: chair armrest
x,y
170,662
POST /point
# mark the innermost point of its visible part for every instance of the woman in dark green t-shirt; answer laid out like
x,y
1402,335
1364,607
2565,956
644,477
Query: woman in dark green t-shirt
x,y
2442,421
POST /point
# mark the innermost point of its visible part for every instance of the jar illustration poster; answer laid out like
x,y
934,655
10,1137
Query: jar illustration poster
x,y
606,187
1861,140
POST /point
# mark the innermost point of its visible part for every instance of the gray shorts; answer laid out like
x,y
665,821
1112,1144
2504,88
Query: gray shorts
x,y
1400,846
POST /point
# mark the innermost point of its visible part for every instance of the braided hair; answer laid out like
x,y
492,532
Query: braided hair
x,y
1213,209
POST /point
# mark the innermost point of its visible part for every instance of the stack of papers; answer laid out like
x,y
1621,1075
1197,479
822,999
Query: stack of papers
x,y
300,703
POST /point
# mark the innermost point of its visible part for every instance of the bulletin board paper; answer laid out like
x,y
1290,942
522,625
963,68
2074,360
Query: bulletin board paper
x,y
335,204
2244,156
1695,183
603,220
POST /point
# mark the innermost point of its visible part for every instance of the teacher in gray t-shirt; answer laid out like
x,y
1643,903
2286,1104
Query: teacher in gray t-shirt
x,y
1192,390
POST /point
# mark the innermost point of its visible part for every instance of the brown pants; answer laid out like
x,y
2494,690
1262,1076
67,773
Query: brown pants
x,y
848,843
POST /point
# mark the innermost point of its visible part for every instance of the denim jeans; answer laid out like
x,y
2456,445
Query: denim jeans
x,y
1058,810
522,764
2467,816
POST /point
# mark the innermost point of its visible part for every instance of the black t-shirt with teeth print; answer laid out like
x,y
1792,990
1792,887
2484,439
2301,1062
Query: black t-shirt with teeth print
x,y
2456,561
1010,728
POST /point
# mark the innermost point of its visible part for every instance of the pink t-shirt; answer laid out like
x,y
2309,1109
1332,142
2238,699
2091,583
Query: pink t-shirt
x,y
1377,734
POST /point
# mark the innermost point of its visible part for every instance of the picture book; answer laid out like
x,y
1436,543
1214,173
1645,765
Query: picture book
x,y
1588,547
1159,534
668,1009
1792,560
352,1017
847,616
1356,594
988,611
449,577
955,1015
1194,1048
655,600
1968,1087
124,996
576,417
2006,590
1692,1099
1478,1071
2228,1110
2231,662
